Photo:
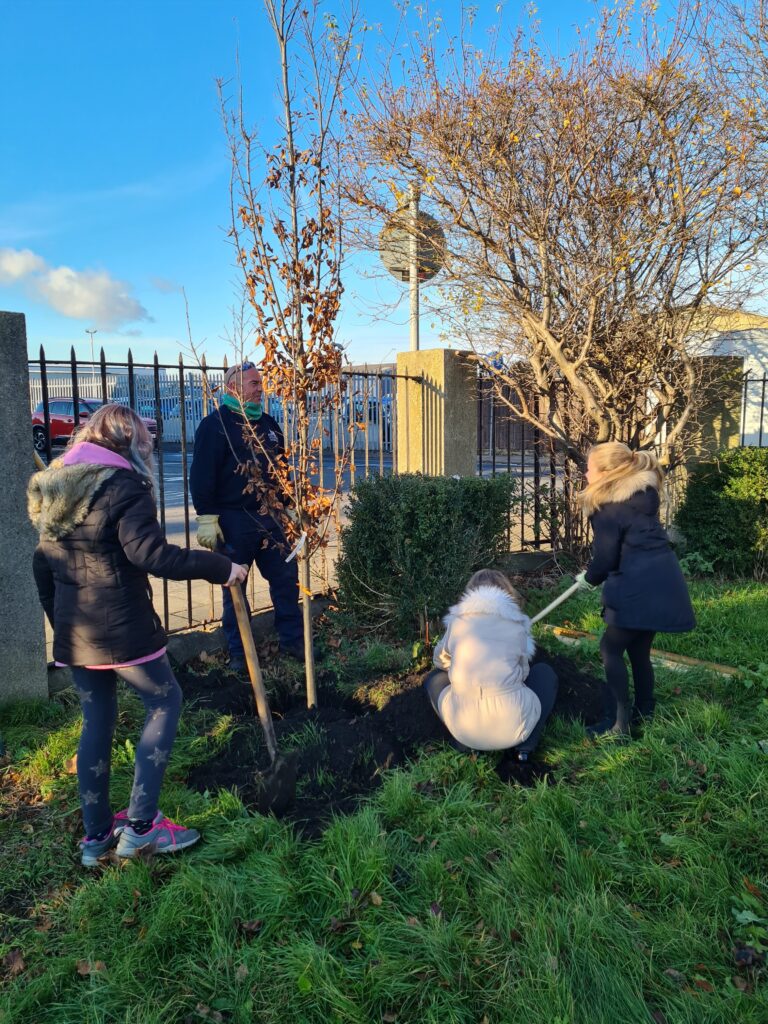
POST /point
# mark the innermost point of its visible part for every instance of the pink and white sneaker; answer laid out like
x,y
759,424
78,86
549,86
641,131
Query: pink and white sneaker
x,y
93,849
163,837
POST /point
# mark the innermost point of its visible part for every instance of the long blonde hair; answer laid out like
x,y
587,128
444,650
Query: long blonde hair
x,y
494,578
618,464
119,429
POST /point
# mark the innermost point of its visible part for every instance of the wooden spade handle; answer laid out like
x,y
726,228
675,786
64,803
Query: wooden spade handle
x,y
254,669
558,601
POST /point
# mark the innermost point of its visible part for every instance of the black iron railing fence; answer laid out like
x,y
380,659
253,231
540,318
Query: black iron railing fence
x,y
357,434
548,479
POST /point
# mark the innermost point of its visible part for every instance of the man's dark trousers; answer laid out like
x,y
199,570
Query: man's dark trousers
x,y
245,533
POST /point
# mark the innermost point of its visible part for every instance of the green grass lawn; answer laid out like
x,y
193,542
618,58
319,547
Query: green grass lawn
x,y
732,620
613,895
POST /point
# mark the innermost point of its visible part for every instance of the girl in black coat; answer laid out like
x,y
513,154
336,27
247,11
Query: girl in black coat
x,y
644,591
99,538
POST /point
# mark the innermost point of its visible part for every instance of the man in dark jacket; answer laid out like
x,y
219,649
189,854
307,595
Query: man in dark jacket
x,y
236,435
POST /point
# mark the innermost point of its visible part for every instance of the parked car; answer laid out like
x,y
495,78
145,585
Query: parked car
x,y
358,404
61,413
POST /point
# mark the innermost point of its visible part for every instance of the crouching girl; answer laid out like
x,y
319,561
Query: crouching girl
x,y
482,686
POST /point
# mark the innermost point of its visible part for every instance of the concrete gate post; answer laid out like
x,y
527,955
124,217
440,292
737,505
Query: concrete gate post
x,y
437,415
23,668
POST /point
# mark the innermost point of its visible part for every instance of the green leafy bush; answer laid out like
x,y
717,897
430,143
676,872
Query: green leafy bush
x,y
413,542
724,516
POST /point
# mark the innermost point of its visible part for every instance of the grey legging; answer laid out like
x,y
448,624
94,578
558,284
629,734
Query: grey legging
x,y
156,684
541,679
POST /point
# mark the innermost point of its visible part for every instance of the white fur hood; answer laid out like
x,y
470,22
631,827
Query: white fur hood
x,y
490,608
488,600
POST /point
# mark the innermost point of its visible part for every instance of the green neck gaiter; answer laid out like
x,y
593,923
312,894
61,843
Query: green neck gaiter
x,y
252,410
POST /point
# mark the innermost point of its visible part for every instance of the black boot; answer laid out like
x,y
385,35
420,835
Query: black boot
x,y
642,712
618,727
237,664
608,718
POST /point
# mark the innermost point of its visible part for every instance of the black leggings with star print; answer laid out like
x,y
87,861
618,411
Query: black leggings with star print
x,y
156,684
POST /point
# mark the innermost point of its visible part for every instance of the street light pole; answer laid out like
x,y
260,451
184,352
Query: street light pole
x,y
413,268
92,331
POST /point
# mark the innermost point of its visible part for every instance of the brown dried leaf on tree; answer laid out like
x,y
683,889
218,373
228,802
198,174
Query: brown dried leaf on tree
x,y
287,236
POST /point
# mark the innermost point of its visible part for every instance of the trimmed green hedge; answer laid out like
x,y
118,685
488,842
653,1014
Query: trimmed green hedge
x,y
724,516
413,542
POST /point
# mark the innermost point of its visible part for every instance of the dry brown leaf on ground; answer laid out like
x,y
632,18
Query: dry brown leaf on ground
x,y
85,968
13,963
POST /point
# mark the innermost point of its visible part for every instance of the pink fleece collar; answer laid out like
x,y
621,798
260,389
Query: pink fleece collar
x,y
88,452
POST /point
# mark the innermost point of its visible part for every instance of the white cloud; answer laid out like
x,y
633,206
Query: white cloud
x,y
89,295
92,295
162,284
18,263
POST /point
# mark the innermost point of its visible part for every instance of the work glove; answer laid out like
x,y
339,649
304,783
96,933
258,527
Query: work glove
x,y
209,532
581,579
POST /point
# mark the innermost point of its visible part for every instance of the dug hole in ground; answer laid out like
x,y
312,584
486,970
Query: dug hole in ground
x,y
343,746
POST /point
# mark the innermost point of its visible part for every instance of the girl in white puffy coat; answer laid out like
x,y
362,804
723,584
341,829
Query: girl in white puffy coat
x,y
482,686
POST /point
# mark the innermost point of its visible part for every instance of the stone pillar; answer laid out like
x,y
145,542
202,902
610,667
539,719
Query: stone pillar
x,y
719,421
436,415
23,669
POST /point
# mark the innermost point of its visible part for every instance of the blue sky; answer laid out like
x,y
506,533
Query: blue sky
x,y
114,171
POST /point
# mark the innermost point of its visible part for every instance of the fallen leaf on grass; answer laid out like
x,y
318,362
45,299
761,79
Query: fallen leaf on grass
x,y
14,963
677,976
740,983
357,944
205,1011
241,973
389,1017
70,766
249,928
750,887
748,956
375,899
27,829
85,968
436,909
412,921
515,936
704,985
663,785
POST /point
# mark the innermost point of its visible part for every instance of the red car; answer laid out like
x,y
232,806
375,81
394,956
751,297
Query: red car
x,y
62,418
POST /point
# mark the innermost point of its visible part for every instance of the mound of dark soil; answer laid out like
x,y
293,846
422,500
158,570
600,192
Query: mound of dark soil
x,y
342,748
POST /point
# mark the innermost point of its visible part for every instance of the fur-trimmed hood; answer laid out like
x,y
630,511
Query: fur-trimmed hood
x,y
486,650
624,489
489,600
620,490
60,497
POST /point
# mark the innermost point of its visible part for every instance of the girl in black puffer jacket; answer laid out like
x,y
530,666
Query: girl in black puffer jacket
x,y
644,591
99,538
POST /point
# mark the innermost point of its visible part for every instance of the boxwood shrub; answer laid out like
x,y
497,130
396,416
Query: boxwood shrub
x,y
412,542
724,515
